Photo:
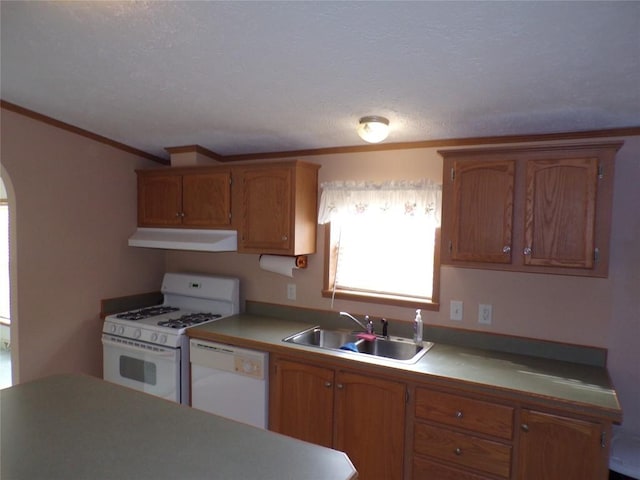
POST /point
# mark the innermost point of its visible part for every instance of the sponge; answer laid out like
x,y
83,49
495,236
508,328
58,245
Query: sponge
x,y
369,337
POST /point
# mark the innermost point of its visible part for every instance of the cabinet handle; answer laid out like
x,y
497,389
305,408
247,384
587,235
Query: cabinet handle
x,y
340,386
527,251
524,427
327,384
284,238
458,451
459,414
506,249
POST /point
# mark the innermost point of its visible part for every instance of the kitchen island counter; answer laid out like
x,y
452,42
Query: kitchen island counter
x,y
81,427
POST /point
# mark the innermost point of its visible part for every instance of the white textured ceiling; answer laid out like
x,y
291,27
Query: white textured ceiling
x,y
248,77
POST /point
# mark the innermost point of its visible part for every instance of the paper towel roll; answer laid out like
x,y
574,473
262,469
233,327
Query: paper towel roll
x,y
281,264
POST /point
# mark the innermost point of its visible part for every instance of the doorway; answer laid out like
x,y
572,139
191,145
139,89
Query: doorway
x,y
5,302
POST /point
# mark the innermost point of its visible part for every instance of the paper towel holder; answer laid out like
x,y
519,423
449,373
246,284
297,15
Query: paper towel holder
x,y
301,260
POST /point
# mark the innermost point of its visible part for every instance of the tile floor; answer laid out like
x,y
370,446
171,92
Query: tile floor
x,y
5,368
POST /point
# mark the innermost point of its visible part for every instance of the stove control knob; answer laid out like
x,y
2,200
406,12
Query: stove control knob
x,y
137,333
120,330
163,338
154,337
112,329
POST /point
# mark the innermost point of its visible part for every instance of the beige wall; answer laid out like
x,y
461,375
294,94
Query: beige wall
x,y
73,207
586,311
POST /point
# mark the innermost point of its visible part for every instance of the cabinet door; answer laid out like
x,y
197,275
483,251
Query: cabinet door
x,y
560,208
267,212
482,211
159,200
560,448
206,199
370,419
302,402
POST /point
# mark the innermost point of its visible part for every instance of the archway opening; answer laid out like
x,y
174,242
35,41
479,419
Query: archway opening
x,y
5,296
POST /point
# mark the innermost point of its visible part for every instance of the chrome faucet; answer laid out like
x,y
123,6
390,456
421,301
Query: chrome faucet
x,y
367,328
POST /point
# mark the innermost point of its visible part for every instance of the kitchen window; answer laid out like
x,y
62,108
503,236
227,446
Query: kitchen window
x,y
381,241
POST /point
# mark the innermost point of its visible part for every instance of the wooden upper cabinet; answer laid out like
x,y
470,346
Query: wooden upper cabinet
x,y
554,447
159,199
482,210
279,208
541,209
182,197
560,212
206,199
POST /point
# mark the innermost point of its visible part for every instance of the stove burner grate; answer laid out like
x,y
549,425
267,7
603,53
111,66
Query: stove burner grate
x,y
188,320
146,312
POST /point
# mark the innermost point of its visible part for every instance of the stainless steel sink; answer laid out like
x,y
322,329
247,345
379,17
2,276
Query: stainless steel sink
x,y
394,348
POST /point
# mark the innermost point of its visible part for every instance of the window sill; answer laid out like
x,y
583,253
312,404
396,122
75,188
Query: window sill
x,y
396,300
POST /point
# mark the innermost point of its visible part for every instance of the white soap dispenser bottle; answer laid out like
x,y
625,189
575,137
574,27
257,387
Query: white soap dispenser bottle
x,y
417,328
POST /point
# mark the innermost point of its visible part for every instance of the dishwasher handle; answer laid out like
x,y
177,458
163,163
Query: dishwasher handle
x,y
225,358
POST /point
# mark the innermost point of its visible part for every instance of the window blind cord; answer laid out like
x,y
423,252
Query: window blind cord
x,y
335,277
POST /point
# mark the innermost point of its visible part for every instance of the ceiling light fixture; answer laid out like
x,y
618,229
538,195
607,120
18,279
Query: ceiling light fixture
x,y
373,129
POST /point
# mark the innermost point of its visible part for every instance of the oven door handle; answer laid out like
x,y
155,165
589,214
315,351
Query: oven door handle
x,y
135,346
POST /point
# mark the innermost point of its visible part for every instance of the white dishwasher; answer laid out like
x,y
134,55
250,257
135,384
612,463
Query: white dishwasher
x,y
229,381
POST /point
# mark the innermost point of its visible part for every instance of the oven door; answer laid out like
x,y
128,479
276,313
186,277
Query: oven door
x,y
142,366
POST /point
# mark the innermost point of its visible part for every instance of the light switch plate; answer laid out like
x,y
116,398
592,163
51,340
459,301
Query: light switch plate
x,y
291,291
455,310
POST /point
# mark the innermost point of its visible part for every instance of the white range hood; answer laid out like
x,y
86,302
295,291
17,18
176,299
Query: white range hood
x,y
186,239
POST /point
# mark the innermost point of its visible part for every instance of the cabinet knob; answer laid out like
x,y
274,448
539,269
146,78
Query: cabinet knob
x,y
327,384
527,251
524,427
340,386
458,451
506,249
459,414
284,238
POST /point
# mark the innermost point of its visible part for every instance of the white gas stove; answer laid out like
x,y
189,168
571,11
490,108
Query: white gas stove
x,y
147,349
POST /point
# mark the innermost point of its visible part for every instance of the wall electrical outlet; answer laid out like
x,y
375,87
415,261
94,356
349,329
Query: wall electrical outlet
x,y
455,310
291,291
485,314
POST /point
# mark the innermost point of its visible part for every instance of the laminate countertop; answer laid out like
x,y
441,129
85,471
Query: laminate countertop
x,y
79,427
583,389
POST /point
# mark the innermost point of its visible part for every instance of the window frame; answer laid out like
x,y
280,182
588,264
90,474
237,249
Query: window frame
x,y
358,296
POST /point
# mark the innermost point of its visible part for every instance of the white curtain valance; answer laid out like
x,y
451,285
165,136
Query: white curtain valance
x,y
397,197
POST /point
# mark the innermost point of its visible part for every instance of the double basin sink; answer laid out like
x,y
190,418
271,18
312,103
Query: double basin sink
x,y
394,348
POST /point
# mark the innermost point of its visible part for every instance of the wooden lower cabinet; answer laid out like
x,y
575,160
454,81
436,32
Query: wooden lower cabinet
x,y
361,415
424,469
301,405
467,437
461,437
554,447
462,449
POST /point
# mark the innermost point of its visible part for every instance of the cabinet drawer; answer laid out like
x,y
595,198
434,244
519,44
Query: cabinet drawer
x,y
426,469
464,450
463,412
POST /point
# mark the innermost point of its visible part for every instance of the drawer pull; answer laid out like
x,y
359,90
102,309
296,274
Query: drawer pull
x,y
459,414
525,427
458,451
